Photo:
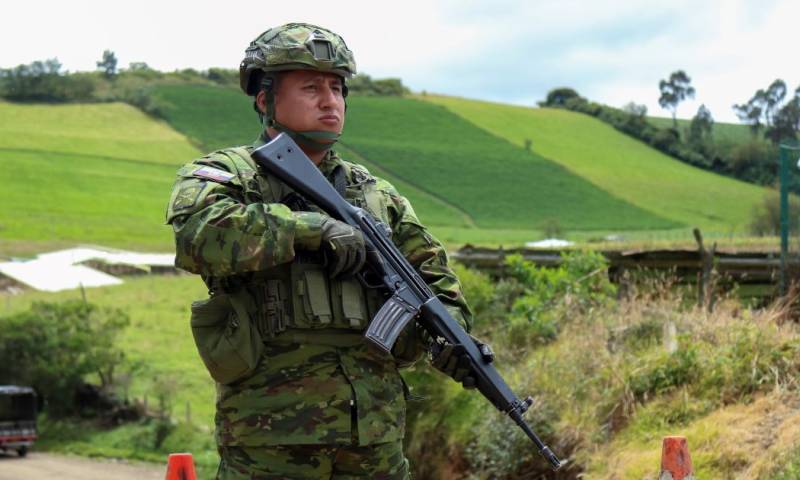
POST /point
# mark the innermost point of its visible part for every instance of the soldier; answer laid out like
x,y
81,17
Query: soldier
x,y
300,395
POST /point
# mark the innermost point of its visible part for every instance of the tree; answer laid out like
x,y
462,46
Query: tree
x,y
751,112
674,91
363,84
108,64
635,109
701,126
558,97
785,123
137,66
762,108
43,81
773,98
54,346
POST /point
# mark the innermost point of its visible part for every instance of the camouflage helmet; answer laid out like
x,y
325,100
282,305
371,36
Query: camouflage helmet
x,y
295,46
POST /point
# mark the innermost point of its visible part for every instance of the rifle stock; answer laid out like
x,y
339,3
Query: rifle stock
x,y
409,296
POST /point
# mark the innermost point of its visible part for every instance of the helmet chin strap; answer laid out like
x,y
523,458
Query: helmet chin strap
x,y
307,138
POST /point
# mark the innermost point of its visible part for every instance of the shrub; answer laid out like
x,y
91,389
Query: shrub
x,y
547,296
665,372
363,84
54,346
559,96
551,228
766,218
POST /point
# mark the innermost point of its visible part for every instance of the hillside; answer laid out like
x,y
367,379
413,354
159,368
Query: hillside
x,y
215,117
97,173
617,163
724,134
400,137
109,169
442,153
605,385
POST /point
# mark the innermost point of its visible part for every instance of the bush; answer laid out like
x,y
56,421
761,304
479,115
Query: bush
x,y
548,296
559,96
43,81
54,346
363,84
665,372
766,218
551,228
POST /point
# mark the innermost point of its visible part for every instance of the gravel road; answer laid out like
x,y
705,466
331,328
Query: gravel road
x,y
47,466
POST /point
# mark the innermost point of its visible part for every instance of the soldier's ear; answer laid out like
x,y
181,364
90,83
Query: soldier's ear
x,y
261,101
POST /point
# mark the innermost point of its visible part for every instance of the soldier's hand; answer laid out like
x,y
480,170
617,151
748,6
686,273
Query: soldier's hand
x,y
453,361
343,246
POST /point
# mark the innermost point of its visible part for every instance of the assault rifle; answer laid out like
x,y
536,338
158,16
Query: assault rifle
x,y
409,296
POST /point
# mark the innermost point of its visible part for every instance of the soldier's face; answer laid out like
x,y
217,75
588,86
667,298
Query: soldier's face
x,y
308,100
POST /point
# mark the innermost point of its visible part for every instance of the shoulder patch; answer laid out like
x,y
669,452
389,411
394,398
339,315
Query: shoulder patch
x,y
214,174
188,195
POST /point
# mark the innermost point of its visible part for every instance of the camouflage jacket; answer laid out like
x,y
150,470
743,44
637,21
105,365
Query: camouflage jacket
x,y
300,393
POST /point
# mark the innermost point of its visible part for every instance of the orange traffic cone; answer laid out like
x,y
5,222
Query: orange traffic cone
x,y
676,464
180,466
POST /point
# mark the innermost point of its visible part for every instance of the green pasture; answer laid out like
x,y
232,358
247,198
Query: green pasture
x,y
211,117
629,169
64,197
158,337
432,209
86,174
215,117
498,184
722,133
107,130
400,138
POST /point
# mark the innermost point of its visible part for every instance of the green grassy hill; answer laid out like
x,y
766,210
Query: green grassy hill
x,y
399,138
214,117
617,163
725,134
101,173
498,184
85,174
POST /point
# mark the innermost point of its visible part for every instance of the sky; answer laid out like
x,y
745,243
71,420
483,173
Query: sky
x,y
510,51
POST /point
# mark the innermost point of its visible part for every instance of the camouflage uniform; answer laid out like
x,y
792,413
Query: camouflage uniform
x,y
316,385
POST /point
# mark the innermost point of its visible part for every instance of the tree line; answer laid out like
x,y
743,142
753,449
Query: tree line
x,y
47,81
773,114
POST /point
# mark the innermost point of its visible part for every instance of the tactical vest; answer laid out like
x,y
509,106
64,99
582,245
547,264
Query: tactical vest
x,y
288,299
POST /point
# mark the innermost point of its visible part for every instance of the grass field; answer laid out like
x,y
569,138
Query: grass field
x,y
106,130
722,133
215,118
211,117
617,163
101,173
498,184
399,138
86,174
158,336
158,339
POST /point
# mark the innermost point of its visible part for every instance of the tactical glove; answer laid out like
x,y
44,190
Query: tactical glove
x,y
343,246
453,361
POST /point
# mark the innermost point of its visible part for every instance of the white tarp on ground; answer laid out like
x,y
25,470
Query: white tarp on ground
x,y
550,243
54,276
55,271
79,255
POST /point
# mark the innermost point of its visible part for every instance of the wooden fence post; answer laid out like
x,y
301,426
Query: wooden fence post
x,y
705,287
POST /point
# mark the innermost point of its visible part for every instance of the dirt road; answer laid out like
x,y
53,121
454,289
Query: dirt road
x,y
46,466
